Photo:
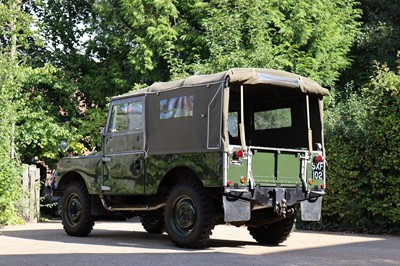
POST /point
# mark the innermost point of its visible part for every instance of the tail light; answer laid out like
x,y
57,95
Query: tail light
x,y
318,159
237,154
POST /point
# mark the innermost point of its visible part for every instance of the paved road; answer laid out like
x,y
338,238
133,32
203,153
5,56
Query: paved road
x,y
117,243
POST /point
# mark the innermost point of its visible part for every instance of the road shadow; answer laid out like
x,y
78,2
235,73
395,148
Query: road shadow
x,y
369,253
114,237
140,248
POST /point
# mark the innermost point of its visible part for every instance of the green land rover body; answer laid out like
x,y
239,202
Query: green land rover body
x,y
242,147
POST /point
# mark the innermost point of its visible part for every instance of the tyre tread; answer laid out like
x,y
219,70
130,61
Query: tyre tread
x,y
203,236
273,234
85,226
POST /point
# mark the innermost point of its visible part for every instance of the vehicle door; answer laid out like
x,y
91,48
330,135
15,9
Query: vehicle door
x,y
123,160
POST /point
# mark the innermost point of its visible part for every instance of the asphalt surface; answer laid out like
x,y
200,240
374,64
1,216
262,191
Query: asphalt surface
x,y
126,243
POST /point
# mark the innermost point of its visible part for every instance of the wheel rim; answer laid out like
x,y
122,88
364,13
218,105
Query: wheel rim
x,y
184,215
74,209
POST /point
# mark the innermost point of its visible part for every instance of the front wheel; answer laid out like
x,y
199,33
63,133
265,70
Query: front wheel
x,y
76,210
189,215
273,234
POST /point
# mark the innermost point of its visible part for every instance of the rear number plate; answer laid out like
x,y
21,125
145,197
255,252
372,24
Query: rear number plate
x,y
318,170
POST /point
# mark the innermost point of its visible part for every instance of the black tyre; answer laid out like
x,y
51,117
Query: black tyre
x,y
189,216
76,210
273,234
153,224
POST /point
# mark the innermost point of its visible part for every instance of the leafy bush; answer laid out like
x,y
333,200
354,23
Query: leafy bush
x,y
363,154
10,181
10,191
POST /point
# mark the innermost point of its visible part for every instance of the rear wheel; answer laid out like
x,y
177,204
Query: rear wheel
x,y
153,224
273,234
76,210
189,215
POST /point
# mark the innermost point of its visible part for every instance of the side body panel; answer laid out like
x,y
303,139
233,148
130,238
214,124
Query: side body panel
x,y
88,167
123,174
206,166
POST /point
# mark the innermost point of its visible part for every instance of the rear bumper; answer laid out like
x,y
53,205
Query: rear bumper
x,y
269,196
239,203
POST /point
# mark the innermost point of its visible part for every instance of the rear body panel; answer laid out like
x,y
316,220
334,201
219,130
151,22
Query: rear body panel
x,y
271,168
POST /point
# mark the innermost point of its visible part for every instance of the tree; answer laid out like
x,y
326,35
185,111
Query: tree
x,y
25,122
378,41
112,45
312,38
43,98
140,41
362,129
105,48
44,106
12,23
9,182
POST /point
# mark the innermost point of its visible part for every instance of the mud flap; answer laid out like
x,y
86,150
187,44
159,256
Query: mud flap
x,y
236,210
311,209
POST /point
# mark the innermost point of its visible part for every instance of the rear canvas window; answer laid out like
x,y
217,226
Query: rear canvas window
x,y
233,124
176,107
278,118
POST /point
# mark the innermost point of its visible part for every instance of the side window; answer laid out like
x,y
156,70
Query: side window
x,y
119,118
126,116
233,124
176,107
135,116
278,118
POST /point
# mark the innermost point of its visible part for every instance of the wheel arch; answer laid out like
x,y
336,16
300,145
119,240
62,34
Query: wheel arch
x,y
69,178
176,175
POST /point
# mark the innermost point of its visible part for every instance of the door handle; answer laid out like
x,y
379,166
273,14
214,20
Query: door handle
x,y
105,159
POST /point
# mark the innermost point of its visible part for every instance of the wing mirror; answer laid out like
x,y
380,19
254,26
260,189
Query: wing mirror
x,y
64,145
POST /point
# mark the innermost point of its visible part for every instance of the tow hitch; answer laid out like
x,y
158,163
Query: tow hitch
x,y
280,206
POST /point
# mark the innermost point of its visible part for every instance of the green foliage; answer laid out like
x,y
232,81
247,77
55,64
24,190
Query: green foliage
x,y
378,40
26,121
10,189
41,106
15,30
312,38
61,65
105,48
89,128
112,45
12,35
363,136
